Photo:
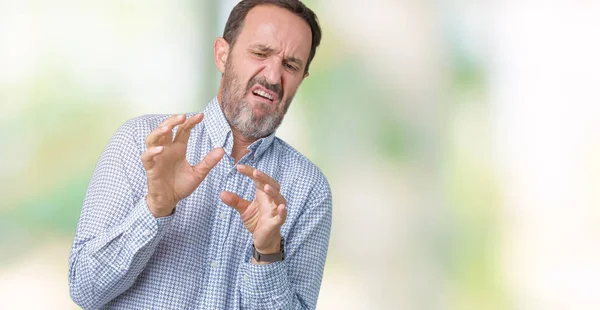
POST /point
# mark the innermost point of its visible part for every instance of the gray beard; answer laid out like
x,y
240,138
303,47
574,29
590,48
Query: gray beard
x,y
239,114
241,118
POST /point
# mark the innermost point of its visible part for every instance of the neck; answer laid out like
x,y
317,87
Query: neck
x,y
240,142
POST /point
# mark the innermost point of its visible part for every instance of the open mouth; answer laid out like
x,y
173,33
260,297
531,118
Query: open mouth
x,y
263,94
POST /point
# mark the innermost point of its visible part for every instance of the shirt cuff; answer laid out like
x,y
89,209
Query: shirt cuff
x,y
142,228
264,281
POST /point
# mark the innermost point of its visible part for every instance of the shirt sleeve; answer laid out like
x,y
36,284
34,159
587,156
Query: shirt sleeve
x,y
293,283
117,234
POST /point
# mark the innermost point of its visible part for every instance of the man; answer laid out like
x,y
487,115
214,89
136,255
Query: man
x,y
247,225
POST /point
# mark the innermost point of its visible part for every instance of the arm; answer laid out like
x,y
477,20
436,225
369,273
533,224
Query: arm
x,y
117,233
293,283
119,229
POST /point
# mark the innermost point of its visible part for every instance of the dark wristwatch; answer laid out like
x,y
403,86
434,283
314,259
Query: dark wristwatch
x,y
269,258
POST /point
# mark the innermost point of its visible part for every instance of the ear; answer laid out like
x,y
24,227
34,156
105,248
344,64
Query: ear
x,y
305,75
221,52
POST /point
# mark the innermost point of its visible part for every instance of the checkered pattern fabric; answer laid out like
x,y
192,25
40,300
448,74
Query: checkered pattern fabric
x,y
199,257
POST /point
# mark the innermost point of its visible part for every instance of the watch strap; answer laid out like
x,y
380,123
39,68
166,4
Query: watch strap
x,y
269,258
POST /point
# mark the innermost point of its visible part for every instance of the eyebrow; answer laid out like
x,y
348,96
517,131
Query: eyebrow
x,y
268,50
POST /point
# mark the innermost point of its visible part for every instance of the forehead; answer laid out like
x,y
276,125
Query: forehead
x,y
278,28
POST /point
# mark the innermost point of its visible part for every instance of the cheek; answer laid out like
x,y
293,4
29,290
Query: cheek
x,y
291,85
243,71
249,68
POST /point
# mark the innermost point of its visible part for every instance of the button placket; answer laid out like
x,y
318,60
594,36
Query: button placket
x,y
225,211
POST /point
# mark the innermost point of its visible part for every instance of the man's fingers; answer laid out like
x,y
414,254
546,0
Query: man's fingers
x,y
247,171
149,154
208,162
281,213
259,177
158,136
173,120
234,201
183,131
163,133
264,183
274,194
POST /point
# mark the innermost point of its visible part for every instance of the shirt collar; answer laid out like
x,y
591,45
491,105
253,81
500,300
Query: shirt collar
x,y
219,132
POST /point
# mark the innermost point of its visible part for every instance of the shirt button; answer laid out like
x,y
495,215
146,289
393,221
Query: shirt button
x,y
222,215
214,264
245,278
147,232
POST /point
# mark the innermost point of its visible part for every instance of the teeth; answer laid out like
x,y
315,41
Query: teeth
x,y
262,93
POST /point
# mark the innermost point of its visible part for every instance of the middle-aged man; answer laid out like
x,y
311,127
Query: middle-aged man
x,y
211,210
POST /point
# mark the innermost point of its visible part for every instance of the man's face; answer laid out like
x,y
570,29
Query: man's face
x,y
264,69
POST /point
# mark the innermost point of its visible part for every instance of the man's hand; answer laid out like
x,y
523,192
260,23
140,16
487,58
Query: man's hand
x,y
263,216
170,176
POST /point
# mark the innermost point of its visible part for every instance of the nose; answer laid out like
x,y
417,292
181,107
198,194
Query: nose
x,y
273,71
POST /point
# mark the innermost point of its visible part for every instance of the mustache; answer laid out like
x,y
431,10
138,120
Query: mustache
x,y
276,88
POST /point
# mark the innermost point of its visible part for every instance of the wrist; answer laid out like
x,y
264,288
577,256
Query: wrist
x,y
253,261
271,246
158,211
259,258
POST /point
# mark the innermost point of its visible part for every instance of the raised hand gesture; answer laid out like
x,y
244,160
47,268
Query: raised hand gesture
x,y
263,216
170,177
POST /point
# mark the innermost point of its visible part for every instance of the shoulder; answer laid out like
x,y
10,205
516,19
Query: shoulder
x,y
136,129
300,170
144,123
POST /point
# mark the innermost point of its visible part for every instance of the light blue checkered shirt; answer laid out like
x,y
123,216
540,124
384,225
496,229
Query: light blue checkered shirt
x,y
199,257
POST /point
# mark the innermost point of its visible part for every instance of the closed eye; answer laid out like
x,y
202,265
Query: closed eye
x,y
289,66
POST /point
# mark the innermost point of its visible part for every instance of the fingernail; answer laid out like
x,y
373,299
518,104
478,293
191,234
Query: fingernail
x,y
165,128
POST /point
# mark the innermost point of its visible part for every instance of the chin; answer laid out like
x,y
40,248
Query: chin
x,y
260,109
